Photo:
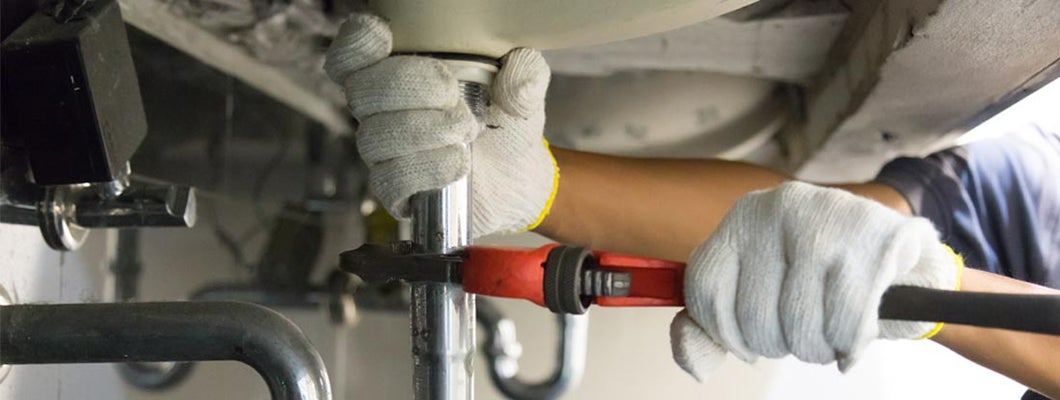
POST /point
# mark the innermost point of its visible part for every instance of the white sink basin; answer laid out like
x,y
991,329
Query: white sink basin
x,y
493,27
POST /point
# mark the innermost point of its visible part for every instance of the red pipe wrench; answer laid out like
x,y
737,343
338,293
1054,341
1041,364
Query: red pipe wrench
x,y
568,279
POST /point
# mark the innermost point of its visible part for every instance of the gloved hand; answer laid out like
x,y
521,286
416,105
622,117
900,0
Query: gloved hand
x,y
414,127
800,270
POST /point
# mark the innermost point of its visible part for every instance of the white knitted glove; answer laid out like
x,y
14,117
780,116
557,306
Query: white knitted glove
x,y
800,270
414,125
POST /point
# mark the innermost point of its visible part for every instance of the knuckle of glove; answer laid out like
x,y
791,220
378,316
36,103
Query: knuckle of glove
x,y
802,315
520,86
933,266
394,181
925,262
761,286
859,248
711,283
362,40
401,83
386,136
804,338
693,349
849,324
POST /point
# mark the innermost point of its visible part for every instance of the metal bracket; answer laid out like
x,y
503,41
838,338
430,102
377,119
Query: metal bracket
x,y
66,213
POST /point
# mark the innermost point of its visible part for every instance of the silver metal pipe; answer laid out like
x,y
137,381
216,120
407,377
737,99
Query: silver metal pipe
x,y
171,331
503,351
443,315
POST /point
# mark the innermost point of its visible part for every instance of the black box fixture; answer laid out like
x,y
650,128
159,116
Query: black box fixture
x,y
70,94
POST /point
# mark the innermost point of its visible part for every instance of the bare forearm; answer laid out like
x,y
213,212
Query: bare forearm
x,y
665,208
649,207
1028,358
657,207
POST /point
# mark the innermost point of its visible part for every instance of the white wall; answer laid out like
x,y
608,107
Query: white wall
x,y
30,272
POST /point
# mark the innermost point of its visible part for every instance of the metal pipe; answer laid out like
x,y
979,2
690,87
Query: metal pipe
x,y
172,331
155,376
126,268
309,299
443,315
503,351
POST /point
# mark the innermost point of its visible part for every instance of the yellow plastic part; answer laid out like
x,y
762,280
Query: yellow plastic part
x,y
960,272
551,196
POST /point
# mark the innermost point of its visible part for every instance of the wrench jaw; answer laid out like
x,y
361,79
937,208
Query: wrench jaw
x,y
399,262
557,277
491,271
565,279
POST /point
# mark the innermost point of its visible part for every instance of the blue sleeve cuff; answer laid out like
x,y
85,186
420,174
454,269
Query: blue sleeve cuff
x,y
931,185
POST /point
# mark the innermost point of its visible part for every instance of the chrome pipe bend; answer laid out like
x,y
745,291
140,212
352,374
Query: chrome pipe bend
x,y
503,351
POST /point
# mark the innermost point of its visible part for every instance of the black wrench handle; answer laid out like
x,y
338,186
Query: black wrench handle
x,y
1020,312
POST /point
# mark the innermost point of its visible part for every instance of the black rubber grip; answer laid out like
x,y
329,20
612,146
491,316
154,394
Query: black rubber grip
x,y
1020,312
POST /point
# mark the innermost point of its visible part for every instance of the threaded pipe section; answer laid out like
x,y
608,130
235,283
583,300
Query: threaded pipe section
x,y
597,282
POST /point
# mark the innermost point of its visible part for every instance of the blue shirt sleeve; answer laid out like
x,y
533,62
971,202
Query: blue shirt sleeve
x,y
996,202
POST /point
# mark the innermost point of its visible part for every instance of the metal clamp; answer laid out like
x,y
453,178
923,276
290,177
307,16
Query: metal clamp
x,y
66,213
55,219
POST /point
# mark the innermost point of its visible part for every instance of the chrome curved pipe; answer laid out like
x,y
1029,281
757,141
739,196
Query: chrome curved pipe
x,y
503,351
170,331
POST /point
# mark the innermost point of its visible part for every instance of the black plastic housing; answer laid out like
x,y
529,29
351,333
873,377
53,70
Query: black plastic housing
x,y
71,99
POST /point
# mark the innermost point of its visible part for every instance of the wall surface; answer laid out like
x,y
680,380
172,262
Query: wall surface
x,y
30,272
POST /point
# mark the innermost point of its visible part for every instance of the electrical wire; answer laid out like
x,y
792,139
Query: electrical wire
x,y
263,178
217,158
218,148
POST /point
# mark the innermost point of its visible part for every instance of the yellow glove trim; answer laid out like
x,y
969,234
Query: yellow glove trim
x,y
960,271
551,196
